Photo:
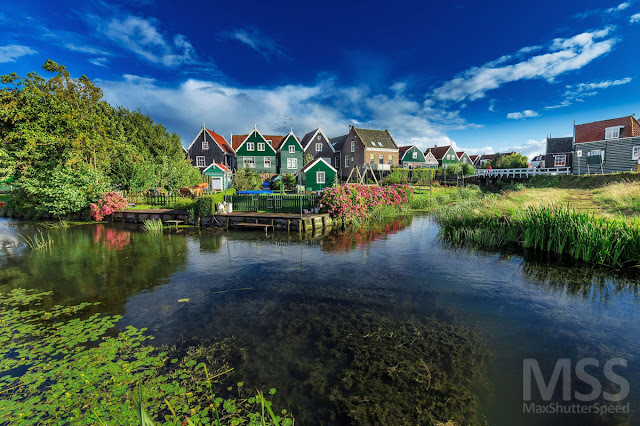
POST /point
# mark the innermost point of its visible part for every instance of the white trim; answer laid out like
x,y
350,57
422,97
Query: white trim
x,y
313,163
381,149
409,149
205,141
555,160
217,166
636,156
259,134
244,158
612,128
264,161
353,146
204,161
290,161
324,178
284,140
327,140
294,149
214,140
260,145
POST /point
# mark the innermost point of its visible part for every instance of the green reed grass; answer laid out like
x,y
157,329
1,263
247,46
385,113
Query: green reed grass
x,y
154,226
38,241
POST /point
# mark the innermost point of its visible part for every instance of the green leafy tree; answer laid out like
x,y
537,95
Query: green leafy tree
x,y
468,169
308,158
513,161
246,179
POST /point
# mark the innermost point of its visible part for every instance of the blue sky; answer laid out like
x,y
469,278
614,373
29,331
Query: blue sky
x,y
486,76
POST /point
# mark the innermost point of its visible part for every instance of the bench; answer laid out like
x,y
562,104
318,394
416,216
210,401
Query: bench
x,y
174,222
254,225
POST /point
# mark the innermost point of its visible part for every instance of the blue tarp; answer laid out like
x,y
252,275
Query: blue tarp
x,y
254,192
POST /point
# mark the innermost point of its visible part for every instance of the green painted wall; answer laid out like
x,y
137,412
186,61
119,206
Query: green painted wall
x,y
217,173
310,182
450,157
285,155
408,156
259,156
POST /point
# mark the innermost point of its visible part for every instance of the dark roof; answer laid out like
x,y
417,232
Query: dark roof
x,y
221,141
460,153
376,138
438,151
557,145
307,138
236,140
473,157
403,149
338,141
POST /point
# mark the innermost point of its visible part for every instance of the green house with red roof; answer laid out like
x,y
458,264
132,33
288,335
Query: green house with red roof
x,y
256,152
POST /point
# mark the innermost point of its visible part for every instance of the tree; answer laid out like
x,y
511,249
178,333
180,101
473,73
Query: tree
x,y
513,161
308,158
246,179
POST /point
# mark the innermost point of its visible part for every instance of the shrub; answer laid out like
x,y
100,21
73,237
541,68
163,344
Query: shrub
x,y
206,205
110,202
246,179
357,202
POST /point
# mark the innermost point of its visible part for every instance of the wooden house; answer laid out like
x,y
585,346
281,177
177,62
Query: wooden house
x,y
256,152
474,160
318,174
374,148
464,157
608,146
207,148
220,176
444,155
559,152
411,157
318,145
289,154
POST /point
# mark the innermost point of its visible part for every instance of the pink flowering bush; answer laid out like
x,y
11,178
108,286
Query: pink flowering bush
x,y
357,202
110,202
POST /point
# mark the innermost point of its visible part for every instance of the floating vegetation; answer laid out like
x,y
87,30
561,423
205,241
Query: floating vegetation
x,y
38,241
560,230
154,226
59,368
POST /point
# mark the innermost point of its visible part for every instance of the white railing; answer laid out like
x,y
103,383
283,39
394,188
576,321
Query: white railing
x,y
522,173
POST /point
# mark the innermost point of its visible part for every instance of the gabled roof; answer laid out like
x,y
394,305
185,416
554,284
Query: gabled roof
x,y
439,151
221,141
376,138
595,131
403,149
473,158
237,140
338,142
311,164
218,165
275,140
460,154
306,139
284,139
427,156
557,145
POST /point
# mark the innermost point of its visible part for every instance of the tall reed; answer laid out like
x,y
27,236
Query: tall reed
x,y
38,241
153,226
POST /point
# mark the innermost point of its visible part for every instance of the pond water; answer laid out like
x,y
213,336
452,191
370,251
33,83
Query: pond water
x,y
313,315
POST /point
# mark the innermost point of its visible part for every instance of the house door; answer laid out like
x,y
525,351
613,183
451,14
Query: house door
x,y
216,183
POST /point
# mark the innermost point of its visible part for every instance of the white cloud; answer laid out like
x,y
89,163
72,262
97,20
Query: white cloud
x,y
635,18
101,62
86,49
592,12
228,108
562,55
142,37
14,51
577,92
258,41
618,8
527,113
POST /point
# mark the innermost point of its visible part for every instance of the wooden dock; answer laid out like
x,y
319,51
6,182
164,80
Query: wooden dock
x,y
139,216
279,221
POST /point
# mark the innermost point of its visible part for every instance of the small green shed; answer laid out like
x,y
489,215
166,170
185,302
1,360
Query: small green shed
x,y
220,176
318,174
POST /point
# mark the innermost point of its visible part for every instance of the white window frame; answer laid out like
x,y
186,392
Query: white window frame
x,y
414,155
267,162
292,149
249,162
612,132
597,152
260,146
346,161
292,163
318,147
201,161
635,152
250,146
205,144
353,146
320,177
557,163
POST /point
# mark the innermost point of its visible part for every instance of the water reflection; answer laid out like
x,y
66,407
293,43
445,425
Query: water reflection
x,y
340,241
115,239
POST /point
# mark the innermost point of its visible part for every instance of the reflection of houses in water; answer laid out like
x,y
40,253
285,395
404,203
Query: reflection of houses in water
x,y
115,239
347,240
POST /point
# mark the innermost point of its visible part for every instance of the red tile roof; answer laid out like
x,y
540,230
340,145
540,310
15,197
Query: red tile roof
x,y
221,141
236,140
590,132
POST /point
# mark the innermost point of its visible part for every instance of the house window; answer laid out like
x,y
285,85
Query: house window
x,y
319,177
319,137
267,162
372,158
559,160
346,161
318,147
391,159
205,144
292,149
250,146
414,155
200,162
353,146
249,162
599,152
612,132
635,152
381,159
292,163
260,146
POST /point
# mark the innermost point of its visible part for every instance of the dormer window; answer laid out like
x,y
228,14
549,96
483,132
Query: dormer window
x,y
612,132
205,144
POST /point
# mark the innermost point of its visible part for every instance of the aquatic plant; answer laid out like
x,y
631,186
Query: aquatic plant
x,y
38,241
60,366
153,226
110,202
61,224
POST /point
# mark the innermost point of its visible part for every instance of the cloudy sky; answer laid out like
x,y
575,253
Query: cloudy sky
x,y
483,75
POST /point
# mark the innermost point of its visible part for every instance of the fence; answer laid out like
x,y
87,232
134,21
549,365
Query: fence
x,y
275,203
151,199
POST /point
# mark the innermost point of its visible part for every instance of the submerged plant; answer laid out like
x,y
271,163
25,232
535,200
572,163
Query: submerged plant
x,y
38,241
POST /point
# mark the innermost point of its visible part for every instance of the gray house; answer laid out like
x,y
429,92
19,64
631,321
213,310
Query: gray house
x,y
559,152
607,146
318,145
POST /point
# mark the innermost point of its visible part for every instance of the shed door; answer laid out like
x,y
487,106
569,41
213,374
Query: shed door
x,y
216,183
